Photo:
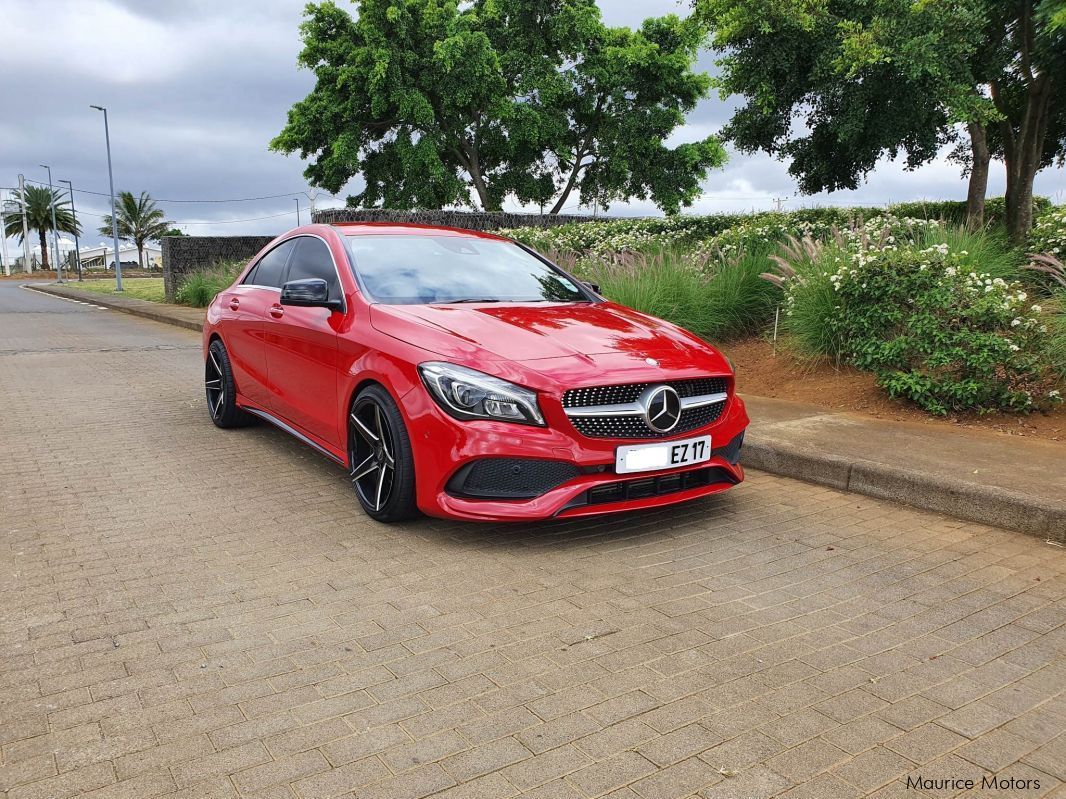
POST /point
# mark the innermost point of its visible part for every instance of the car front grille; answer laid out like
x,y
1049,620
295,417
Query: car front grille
x,y
610,425
628,392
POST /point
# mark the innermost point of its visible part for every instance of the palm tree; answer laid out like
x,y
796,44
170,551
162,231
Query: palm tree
x,y
140,220
38,201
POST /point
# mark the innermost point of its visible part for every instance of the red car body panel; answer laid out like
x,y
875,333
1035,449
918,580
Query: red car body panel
x,y
303,367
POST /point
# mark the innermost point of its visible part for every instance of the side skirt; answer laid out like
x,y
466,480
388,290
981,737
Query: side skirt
x,y
292,432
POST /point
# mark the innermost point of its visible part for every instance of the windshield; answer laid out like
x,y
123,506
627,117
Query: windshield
x,y
420,270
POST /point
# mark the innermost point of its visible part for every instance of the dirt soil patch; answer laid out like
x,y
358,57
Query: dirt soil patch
x,y
782,376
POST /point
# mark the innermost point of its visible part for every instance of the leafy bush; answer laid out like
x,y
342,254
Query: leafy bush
x,y
200,287
1049,232
931,329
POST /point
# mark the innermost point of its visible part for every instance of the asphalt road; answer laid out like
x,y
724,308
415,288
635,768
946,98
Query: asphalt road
x,y
198,613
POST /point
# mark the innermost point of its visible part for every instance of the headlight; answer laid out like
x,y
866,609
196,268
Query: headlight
x,y
470,394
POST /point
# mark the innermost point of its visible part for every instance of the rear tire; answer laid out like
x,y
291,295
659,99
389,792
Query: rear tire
x,y
222,390
380,456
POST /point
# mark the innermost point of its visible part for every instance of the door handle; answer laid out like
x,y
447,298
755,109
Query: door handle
x,y
234,304
277,311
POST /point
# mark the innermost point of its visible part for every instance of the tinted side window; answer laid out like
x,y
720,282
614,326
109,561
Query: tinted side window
x,y
271,267
312,259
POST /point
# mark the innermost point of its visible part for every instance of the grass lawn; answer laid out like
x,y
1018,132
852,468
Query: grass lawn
x,y
141,288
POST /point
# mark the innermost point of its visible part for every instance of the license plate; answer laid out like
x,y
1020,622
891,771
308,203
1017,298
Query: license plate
x,y
648,457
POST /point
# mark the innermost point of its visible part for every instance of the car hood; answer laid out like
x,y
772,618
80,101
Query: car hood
x,y
536,332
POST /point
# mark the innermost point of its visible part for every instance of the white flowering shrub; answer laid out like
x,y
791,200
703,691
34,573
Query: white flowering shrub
x,y
934,331
1049,232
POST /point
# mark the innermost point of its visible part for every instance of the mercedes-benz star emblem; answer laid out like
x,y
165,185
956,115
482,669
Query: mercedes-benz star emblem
x,y
662,408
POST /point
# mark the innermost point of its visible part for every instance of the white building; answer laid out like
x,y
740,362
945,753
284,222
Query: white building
x,y
97,256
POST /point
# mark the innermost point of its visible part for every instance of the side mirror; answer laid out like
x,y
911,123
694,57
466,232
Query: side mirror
x,y
594,286
312,292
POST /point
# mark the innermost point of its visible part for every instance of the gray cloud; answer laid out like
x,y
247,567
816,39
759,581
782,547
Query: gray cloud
x,y
197,89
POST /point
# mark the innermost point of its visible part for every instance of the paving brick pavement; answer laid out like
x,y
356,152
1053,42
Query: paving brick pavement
x,y
195,613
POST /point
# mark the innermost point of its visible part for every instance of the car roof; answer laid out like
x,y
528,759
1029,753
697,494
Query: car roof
x,y
409,229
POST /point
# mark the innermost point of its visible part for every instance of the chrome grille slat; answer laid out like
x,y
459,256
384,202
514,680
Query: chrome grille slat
x,y
707,395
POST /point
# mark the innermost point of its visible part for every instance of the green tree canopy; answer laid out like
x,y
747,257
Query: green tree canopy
x,y
38,201
140,220
834,85
430,100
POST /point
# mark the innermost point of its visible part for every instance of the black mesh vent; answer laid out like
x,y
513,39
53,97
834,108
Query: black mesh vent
x,y
510,478
652,486
634,426
616,395
731,451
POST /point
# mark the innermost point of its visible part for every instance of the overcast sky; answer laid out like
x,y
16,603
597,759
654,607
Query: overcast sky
x,y
197,88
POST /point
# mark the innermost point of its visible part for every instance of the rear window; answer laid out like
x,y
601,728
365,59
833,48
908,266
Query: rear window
x,y
270,271
422,270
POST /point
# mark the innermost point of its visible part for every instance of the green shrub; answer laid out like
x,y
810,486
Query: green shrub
x,y
1049,232
200,287
916,305
942,337
717,298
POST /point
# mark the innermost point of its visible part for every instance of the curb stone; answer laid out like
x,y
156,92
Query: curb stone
x,y
998,507
157,312
994,506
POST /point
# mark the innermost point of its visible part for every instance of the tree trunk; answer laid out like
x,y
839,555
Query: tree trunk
x,y
483,191
44,249
559,204
1023,135
978,186
140,255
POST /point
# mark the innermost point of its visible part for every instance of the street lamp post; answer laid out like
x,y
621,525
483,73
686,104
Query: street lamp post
x,y
297,212
27,261
114,209
3,239
74,214
55,230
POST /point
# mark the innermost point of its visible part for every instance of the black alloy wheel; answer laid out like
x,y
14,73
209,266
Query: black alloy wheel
x,y
221,390
379,451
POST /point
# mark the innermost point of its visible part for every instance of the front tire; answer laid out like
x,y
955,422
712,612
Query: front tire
x,y
379,452
221,390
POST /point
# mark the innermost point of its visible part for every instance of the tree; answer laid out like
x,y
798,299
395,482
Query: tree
x,y
140,220
871,79
432,102
38,201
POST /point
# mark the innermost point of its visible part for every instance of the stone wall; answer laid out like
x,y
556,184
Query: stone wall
x,y
185,254
471,220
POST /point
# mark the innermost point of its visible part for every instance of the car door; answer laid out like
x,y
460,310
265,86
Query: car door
x,y
301,345
248,304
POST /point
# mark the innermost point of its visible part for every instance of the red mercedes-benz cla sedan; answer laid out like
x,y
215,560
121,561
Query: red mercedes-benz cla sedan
x,y
461,374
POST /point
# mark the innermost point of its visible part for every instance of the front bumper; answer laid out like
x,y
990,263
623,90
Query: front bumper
x,y
444,446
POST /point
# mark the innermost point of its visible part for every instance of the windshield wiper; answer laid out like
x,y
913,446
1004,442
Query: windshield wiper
x,y
473,299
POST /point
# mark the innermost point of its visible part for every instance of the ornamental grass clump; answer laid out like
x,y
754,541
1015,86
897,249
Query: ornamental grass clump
x,y
200,287
717,297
